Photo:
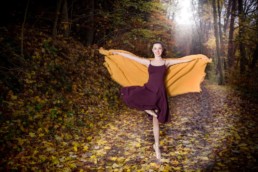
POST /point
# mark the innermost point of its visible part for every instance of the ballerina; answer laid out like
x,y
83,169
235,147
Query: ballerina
x,y
151,97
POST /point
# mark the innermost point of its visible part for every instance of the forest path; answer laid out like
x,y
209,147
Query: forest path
x,y
215,130
211,131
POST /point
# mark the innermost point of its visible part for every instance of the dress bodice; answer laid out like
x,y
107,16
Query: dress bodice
x,y
156,77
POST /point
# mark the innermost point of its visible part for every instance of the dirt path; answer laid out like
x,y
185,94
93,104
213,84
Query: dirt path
x,y
211,131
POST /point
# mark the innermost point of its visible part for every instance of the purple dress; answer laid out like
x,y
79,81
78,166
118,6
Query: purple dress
x,y
151,96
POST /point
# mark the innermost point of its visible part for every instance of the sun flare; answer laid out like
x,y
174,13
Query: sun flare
x,y
184,14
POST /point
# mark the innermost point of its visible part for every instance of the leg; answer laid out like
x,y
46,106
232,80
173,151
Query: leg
x,y
156,137
151,112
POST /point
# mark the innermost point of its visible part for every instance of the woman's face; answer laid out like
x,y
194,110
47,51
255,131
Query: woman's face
x,y
157,49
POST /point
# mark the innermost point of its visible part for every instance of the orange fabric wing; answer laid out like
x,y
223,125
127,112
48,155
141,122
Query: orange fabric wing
x,y
186,77
181,78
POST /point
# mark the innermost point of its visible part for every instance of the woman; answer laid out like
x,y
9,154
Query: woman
x,y
151,97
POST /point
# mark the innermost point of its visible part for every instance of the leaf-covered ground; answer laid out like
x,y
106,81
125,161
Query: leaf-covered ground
x,y
66,116
215,130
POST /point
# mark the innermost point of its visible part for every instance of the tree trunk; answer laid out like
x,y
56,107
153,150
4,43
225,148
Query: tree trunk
x,y
202,26
65,19
221,41
23,26
58,7
216,33
255,57
241,37
90,31
231,54
227,16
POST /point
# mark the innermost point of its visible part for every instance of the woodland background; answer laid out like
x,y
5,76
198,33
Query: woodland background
x,y
54,86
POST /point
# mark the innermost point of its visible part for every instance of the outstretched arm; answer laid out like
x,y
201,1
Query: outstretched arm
x,y
170,62
133,57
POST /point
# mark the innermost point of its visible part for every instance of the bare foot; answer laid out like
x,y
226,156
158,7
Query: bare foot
x,y
157,151
151,112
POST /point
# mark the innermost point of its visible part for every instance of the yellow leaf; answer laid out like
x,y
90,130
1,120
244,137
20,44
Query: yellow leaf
x,y
58,138
175,162
75,143
204,158
46,130
102,142
89,138
237,136
115,165
54,160
120,159
46,143
107,147
165,160
127,153
234,158
100,152
155,165
32,162
40,130
64,143
113,158
220,164
13,97
138,145
177,168
22,128
244,148
42,158
35,152
113,127
32,134
172,153
21,141
243,145
72,165
68,136
75,148
94,159
85,148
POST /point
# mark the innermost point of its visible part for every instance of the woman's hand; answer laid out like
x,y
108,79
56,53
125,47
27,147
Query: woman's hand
x,y
203,57
131,56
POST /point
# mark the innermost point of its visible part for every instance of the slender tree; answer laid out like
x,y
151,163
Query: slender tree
x,y
221,38
255,57
241,37
65,19
216,33
231,56
58,7
23,27
90,31
61,15
228,4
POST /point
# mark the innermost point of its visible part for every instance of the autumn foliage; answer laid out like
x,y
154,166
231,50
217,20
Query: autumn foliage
x,y
60,110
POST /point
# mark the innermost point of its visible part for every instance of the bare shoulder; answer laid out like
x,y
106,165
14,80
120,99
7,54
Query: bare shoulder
x,y
169,61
